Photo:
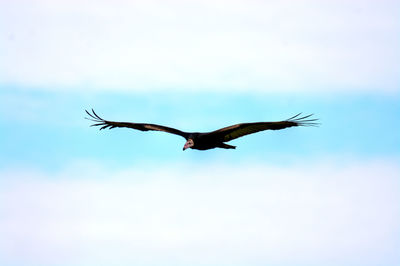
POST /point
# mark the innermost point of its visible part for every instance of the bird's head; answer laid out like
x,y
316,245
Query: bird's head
x,y
189,143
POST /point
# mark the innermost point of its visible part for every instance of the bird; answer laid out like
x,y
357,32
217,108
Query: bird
x,y
213,139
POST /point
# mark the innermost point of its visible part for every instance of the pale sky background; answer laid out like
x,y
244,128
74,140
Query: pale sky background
x,y
71,195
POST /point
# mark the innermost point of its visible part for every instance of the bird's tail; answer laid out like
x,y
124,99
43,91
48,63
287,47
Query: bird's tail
x,y
226,146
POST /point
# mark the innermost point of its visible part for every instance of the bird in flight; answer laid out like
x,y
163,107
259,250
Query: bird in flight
x,y
213,139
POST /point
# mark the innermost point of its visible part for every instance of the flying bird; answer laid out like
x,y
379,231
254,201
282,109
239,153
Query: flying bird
x,y
213,139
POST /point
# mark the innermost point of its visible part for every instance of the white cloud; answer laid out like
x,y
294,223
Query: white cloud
x,y
211,45
251,214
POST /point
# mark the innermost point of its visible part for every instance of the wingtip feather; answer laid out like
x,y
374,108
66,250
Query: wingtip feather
x,y
303,121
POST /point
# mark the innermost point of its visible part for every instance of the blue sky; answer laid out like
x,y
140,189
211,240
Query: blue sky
x,y
73,195
43,123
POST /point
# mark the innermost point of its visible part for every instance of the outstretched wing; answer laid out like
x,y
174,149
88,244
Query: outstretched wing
x,y
139,126
240,130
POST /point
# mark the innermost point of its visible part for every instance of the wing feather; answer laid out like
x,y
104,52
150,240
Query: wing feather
x,y
239,130
139,126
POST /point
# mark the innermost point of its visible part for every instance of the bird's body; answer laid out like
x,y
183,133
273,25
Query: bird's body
x,y
213,139
205,141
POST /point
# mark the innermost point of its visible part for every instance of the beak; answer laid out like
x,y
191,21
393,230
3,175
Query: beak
x,y
188,144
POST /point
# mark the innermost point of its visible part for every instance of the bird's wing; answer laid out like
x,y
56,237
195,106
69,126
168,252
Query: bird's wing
x,y
139,126
240,130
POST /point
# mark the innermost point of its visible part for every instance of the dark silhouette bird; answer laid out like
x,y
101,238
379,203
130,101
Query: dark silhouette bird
x,y
209,140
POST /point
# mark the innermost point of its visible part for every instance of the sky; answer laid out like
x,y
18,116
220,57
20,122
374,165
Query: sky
x,y
73,195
